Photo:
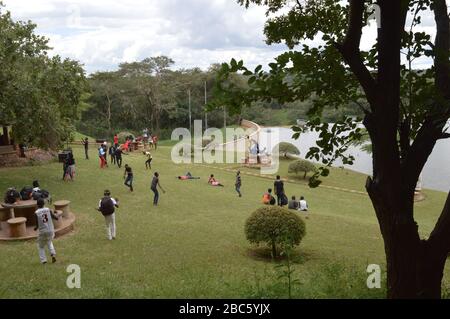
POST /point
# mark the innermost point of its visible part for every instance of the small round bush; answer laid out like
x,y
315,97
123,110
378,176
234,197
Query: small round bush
x,y
276,227
299,166
285,149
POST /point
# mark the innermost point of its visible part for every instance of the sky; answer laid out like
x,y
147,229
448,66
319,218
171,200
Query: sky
x,y
194,33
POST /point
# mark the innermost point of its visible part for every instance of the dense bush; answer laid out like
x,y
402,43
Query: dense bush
x,y
123,136
286,149
275,226
301,166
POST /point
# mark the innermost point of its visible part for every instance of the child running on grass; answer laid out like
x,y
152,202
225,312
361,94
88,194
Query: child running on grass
x,y
44,225
128,173
148,162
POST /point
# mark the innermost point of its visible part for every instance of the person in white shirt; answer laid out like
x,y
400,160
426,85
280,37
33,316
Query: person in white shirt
x,y
107,207
44,225
302,205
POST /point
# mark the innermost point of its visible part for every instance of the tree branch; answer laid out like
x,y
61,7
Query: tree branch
x,y
442,48
433,126
351,53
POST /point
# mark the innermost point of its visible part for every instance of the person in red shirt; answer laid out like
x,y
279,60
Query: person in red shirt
x,y
116,140
155,141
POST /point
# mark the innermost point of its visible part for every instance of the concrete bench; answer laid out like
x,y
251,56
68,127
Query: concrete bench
x,y
63,205
58,223
5,214
17,227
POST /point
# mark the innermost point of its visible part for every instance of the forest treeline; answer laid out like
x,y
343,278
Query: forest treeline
x,y
151,94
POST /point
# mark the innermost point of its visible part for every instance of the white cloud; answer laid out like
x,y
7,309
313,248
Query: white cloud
x,y
103,33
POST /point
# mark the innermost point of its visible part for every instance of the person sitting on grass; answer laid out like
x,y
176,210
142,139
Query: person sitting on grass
x,y
213,182
187,176
268,199
302,204
293,203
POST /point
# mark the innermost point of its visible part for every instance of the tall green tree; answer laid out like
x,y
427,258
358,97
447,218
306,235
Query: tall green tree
x,y
405,111
39,95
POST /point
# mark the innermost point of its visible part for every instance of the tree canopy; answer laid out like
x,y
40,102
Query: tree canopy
x,y
39,95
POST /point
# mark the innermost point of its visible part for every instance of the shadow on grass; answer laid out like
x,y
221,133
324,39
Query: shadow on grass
x,y
265,254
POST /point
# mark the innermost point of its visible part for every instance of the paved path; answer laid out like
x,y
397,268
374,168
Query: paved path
x,y
272,177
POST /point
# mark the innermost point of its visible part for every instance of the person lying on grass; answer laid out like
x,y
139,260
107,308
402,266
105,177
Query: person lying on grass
x,y
187,176
213,182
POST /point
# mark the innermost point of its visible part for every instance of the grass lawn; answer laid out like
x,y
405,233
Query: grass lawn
x,y
193,245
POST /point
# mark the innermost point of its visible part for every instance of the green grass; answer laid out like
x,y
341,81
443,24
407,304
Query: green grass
x,y
77,136
193,244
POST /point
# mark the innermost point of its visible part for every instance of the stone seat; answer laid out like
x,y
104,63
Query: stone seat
x,y
58,223
63,205
17,227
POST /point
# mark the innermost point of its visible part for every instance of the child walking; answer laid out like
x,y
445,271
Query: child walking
x,y
154,188
107,207
128,173
238,183
44,225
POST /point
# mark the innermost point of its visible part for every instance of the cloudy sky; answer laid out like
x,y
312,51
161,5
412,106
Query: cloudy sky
x,y
194,33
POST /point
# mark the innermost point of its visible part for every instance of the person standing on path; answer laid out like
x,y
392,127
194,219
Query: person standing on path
x,y
278,185
154,188
238,183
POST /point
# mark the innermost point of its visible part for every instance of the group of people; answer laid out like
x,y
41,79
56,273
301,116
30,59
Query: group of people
x,y
150,139
214,182
282,200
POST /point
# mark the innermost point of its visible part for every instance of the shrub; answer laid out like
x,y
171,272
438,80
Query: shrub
x,y
277,227
301,166
286,149
123,136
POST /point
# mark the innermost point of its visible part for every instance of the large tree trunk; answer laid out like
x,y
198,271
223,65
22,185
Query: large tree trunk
x,y
415,267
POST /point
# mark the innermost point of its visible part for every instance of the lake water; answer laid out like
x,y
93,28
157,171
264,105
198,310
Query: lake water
x,y
436,173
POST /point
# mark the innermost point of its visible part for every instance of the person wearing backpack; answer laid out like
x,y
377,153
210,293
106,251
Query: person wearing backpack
x,y
107,207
